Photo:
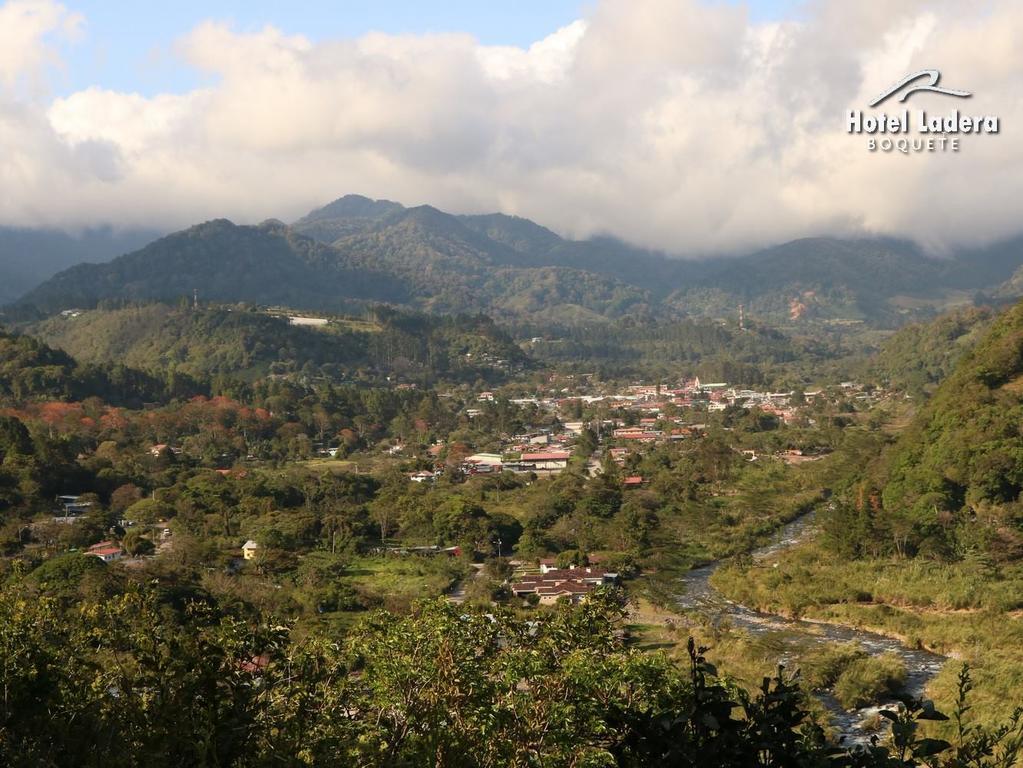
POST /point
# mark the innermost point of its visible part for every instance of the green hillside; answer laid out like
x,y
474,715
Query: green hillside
x,y
268,263
30,256
250,343
921,355
33,370
953,481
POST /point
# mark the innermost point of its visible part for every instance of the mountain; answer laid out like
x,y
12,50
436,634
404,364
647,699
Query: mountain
x,y
416,257
267,263
345,216
827,277
30,256
952,483
357,251
521,235
881,280
490,239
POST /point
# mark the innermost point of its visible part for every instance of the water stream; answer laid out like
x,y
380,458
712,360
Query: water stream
x,y
855,725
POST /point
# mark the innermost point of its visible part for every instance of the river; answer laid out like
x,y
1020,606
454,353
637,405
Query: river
x,y
700,596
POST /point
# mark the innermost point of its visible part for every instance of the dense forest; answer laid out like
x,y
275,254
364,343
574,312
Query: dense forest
x,y
753,355
920,355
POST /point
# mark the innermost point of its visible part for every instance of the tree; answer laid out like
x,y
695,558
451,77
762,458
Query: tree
x,y
14,437
123,497
441,685
136,545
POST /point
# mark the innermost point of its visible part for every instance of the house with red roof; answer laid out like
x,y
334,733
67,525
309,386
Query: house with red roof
x,y
106,551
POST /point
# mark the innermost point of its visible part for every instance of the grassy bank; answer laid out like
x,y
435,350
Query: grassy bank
x,y
966,610
854,678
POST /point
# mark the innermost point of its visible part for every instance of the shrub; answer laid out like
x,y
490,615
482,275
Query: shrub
x,y
822,668
868,680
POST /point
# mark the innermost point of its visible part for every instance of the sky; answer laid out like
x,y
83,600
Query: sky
x,y
693,126
130,46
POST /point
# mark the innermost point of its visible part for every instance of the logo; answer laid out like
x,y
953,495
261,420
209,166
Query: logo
x,y
933,133
932,74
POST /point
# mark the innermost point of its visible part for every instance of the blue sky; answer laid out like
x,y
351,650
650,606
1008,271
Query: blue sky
x,y
129,46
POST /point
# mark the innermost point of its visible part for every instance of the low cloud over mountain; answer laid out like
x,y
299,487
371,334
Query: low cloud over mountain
x,y
671,123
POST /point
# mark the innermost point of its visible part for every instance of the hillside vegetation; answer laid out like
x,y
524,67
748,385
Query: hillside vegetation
x,y
955,476
30,256
32,370
356,250
926,542
919,356
251,343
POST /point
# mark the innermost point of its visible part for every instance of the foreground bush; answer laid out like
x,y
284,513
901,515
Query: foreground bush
x,y
130,682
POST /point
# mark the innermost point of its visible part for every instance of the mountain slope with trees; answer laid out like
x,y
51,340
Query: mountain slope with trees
x,y
224,262
33,370
249,343
954,479
921,355
356,250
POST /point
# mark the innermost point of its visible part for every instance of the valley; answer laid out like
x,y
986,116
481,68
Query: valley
x,y
333,437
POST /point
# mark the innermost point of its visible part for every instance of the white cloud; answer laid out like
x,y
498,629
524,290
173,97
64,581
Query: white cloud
x,y
28,31
671,123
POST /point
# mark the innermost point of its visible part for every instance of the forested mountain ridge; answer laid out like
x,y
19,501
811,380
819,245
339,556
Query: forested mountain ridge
x,y
411,262
225,262
345,216
357,250
952,482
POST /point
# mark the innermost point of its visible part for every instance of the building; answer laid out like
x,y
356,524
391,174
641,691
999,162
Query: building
x,y
549,461
72,505
482,463
250,549
571,591
636,433
106,551
160,448
553,584
70,508
489,459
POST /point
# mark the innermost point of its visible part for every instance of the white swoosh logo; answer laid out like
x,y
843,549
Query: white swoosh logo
x,y
932,75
